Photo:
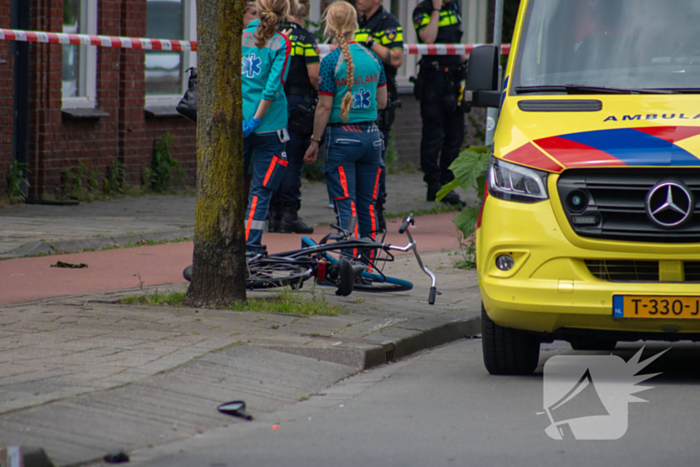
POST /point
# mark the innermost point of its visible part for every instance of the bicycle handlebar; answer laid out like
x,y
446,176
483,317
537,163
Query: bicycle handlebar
x,y
408,220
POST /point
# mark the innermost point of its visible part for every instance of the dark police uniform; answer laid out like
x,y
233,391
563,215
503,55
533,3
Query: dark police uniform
x,y
386,30
443,119
301,98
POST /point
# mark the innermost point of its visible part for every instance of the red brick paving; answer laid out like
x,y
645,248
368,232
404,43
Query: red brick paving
x,y
29,279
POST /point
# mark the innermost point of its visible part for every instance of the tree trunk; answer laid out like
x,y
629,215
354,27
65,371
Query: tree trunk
x,y
218,277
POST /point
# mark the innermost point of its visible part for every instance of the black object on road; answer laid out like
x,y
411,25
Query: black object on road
x,y
61,264
116,456
235,408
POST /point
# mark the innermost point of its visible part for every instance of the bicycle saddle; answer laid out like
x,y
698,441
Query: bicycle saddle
x,y
347,274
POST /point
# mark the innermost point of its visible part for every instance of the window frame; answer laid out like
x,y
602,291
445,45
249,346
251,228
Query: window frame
x,y
189,59
87,73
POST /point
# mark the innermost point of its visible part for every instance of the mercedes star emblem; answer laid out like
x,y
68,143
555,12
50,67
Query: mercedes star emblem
x,y
669,204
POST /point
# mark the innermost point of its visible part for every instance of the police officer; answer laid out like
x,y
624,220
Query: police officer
x,y
301,86
382,34
438,87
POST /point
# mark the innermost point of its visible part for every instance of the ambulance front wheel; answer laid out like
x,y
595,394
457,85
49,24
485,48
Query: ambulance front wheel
x,y
508,351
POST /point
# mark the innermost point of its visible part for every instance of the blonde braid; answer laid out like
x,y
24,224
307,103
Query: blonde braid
x,y
341,19
350,77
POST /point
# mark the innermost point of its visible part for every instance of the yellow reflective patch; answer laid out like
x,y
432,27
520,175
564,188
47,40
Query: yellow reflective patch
x,y
448,18
361,35
425,20
310,51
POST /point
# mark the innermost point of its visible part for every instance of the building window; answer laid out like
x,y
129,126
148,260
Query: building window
x,y
165,71
79,61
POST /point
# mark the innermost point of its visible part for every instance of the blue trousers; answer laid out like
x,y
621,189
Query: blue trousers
x,y
353,168
266,151
288,195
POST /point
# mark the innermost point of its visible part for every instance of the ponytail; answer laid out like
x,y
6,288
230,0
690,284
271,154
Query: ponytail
x,y
271,13
299,9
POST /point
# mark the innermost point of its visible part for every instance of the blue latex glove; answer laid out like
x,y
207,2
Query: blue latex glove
x,y
250,126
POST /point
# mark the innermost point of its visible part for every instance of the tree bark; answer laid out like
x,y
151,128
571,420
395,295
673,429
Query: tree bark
x,y
218,277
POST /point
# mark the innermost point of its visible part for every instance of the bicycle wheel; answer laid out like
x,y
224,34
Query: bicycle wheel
x,y
265,274
369,282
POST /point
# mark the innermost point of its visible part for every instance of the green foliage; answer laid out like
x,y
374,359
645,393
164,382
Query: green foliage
x,y
467,251
69,16
15,178
79,183
313,172
316,29
115,179
165,170
470,172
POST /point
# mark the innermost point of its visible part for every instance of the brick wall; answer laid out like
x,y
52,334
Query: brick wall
x,y
58,143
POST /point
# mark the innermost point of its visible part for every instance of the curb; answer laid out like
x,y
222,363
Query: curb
x,y
422,340
72,246
365,355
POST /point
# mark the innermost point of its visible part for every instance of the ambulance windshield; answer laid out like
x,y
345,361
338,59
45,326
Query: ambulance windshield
x,y
622,44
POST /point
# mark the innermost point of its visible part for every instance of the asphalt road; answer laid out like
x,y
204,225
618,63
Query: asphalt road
x,y
440,407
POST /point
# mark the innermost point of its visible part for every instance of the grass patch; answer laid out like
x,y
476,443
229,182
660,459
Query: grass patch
x,y
172,299
286,302
439,208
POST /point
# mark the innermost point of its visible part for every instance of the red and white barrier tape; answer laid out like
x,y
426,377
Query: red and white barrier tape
x,y
424,49
191,46
100,41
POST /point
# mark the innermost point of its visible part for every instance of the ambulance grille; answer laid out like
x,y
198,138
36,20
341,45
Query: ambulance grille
x,y
692,271
636,271
624,271
616,203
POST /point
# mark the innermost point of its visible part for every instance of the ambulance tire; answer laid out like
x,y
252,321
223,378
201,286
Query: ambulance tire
x,y
508,351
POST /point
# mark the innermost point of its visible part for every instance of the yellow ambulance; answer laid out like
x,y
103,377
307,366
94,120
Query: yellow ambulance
x,y
590,228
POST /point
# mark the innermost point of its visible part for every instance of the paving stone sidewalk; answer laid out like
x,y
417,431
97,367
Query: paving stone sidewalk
x,y
82,376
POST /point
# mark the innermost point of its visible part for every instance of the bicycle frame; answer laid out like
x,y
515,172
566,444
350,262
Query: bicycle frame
x,y
344,241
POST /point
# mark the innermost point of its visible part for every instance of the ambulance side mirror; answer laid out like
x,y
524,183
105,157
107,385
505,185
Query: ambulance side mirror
x,y
482,88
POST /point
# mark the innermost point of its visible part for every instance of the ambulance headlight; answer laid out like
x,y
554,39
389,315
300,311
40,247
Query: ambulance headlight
x,y
516,183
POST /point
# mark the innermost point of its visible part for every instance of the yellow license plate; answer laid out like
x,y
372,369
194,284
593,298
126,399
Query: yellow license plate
x,y
656,306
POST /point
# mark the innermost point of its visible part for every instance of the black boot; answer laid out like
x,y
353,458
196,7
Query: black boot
x,y
379,212
452,199
292,223
274,217
433,187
